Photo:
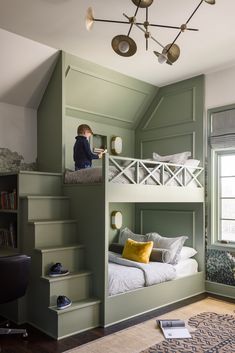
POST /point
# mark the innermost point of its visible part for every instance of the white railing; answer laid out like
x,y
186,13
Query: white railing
x,y
140,171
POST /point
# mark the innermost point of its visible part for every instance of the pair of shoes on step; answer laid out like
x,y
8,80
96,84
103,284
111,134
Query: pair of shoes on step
x,y
57,270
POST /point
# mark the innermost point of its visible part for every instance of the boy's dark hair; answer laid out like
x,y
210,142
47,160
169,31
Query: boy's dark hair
x,y
83,128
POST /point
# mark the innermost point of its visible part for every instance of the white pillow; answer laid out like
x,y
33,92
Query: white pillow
x,y
178,158
194,163
127,233
186,253
174,245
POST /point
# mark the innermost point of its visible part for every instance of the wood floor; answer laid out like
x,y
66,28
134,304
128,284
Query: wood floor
x,y
38,342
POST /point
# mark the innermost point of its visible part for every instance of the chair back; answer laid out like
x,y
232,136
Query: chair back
x,y
14,277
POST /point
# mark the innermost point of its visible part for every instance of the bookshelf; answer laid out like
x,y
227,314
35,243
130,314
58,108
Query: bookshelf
x,y
9,212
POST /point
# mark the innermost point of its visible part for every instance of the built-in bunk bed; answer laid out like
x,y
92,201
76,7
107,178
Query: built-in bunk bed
x,y
139,189
155,197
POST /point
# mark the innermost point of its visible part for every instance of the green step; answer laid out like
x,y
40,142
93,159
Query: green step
x,y
48,207
39,183
80,316
52,233
71,257
76,286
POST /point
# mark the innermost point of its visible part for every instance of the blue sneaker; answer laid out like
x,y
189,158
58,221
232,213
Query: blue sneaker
x,y
57,270
63,302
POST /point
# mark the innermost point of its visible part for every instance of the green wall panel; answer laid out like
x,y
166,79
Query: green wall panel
x,y
174,121
128,218
177,107
167,145
97,93
172,220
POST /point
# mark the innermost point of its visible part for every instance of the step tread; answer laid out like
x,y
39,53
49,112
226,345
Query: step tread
x,y
59,248
48,221
44,197
69,276
76,305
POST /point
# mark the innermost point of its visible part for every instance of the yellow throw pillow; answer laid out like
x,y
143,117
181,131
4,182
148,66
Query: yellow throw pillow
x,y
137,251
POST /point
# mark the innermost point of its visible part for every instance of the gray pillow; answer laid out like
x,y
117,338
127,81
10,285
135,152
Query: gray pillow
x,y
157,255
127,233
174,245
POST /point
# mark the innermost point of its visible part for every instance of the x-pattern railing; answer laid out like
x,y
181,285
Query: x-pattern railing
x,y
139,171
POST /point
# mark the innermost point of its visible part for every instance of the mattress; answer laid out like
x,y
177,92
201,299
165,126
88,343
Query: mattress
x,y
186,268
126,278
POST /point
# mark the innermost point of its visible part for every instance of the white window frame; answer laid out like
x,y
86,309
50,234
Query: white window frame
x,y
215,195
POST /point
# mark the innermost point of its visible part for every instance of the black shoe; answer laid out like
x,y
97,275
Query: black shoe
x,y
63,302
57,270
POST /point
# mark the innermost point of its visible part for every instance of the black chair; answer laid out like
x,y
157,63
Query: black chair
x,y
14,278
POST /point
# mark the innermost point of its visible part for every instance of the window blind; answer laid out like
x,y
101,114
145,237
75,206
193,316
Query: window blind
x,y
222,132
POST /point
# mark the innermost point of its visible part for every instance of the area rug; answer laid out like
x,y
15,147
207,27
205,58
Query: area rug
x,y
214,333
212,326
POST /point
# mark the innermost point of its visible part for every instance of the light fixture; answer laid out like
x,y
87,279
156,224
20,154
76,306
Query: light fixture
x,y
116,145
125,46
116,219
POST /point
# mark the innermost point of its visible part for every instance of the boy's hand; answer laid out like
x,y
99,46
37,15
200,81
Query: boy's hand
x,y
100,155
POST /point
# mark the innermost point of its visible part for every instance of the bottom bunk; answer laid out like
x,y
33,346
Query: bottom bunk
x,y
132,303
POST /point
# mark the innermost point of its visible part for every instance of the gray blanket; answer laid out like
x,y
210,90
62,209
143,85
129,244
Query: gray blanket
x,y
154,272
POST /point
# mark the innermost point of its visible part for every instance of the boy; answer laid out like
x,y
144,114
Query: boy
x,y
82,154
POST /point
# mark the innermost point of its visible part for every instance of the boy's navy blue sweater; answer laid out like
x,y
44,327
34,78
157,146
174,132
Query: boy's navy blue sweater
x,y
82,154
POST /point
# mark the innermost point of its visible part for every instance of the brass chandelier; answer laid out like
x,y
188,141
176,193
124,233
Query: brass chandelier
x,y
125,46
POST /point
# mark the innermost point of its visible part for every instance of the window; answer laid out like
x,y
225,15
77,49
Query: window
x,y
224,167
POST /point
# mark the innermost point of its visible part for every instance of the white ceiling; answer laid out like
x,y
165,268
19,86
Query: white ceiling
x,y
60,24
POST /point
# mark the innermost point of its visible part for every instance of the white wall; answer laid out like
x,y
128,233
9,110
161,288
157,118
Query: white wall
x,y
18,130
220,88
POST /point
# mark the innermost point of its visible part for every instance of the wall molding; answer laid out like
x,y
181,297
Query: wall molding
x,y
142,210
139,95
98,114
179,122
192,133
89,73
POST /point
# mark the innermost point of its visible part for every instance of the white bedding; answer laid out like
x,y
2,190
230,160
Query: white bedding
x,y
94,175
186,268
126,275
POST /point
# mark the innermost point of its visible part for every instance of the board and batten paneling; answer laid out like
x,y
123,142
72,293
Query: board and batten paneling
x,y
173,220
174,121
96,93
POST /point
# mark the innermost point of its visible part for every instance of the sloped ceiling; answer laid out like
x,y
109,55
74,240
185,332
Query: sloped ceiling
x,y
25,68
60,24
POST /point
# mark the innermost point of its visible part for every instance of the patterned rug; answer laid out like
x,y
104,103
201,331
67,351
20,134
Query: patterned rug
x,y
215,333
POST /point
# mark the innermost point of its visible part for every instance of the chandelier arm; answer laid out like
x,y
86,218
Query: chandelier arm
x,y
136,11
146,29
194,11
110,21
171,27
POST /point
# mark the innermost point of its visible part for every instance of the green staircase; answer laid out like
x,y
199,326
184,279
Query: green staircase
x,y
48,235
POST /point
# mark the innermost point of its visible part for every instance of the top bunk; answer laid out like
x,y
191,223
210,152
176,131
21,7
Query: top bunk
x,y
139,180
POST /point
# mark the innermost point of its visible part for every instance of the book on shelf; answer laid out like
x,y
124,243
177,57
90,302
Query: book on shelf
x,y
8,237
174,329
8,200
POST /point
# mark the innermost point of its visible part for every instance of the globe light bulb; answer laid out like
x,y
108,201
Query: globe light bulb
x,y
162,58
123,46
